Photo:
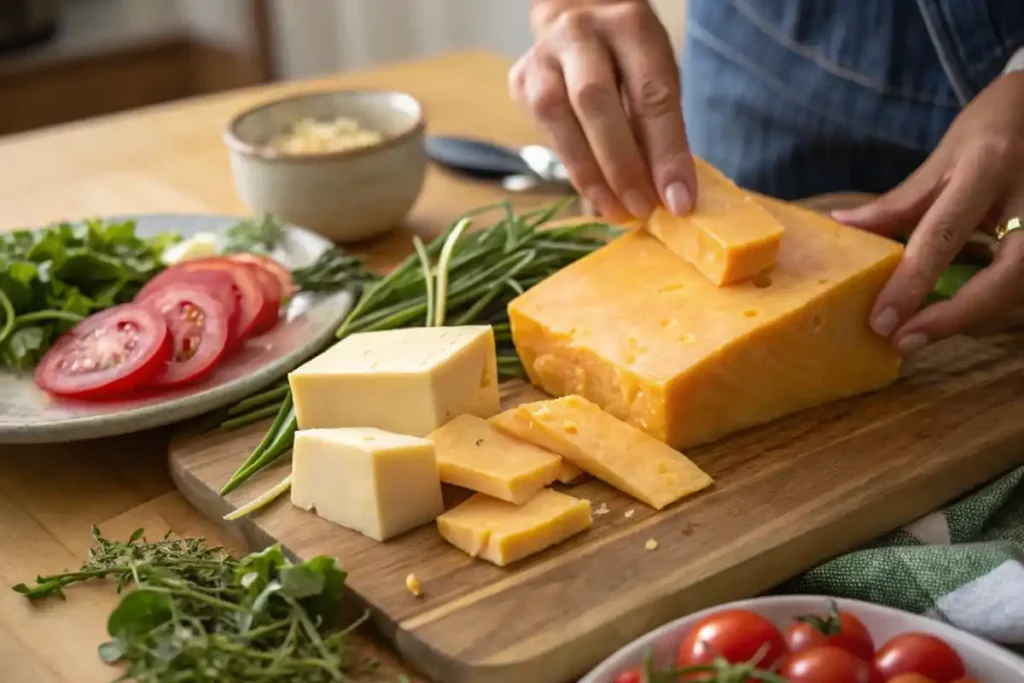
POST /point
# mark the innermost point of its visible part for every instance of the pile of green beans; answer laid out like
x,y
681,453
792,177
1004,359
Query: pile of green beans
x,y
460,278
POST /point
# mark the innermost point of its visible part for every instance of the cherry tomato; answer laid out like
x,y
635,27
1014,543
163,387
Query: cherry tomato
x,y
255,309
919,653
967,679
910,678
631,676
199,327
825,664
840,629
280,273
219,284
735,635
109,354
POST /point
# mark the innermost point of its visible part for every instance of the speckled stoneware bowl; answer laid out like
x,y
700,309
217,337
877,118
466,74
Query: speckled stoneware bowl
x,y
345,195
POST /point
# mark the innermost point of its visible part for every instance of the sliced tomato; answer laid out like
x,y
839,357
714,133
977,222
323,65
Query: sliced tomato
x,y
109,354
254,306
272,292
199,328
280,273
220,284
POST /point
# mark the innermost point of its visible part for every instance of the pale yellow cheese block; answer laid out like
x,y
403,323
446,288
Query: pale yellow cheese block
x,y
617,453
408,381
728,236
520,425
645,336
502,533
474,454
371,481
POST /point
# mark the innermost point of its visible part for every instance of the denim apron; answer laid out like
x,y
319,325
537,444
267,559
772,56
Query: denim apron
x,y
799,97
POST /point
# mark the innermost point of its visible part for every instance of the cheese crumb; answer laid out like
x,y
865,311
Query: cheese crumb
x,y
413,584
628,513
651,544
570,427
602,509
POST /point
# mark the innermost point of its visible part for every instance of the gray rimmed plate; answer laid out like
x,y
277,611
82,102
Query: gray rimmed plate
x,y
29,415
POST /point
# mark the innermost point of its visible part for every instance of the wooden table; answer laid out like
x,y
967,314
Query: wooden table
x,y
170,159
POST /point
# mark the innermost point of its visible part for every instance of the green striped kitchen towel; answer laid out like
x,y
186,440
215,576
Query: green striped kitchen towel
x,y
963,565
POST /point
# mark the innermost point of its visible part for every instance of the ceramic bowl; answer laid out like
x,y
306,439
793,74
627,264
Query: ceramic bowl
x,y
984,660
344,195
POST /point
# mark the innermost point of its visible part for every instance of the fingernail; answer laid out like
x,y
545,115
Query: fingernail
x,y
886,321
678,199
912,343
637,204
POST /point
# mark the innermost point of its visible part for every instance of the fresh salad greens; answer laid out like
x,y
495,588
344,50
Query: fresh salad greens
x,y
196,613
53,277
461,278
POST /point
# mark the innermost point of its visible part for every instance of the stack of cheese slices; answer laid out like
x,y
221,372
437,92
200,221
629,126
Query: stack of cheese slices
x,y
669,337
386,417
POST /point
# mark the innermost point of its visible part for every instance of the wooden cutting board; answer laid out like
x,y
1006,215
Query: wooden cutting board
x,y
787,496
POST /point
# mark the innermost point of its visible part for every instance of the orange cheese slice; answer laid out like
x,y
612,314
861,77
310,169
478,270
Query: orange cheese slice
x,y
520,425
652,341
615,452
728,237
474,454
502,533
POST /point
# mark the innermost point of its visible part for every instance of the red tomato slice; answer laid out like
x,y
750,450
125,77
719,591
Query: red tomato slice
x,y
199,328
108,354
840,629
737,636
919,653
272,292
220,284
254,307
280,273
826,664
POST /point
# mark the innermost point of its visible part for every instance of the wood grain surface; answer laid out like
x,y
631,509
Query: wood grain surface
x,y
170,158
787,496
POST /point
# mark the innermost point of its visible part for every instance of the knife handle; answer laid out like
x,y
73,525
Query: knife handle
x,y
475,157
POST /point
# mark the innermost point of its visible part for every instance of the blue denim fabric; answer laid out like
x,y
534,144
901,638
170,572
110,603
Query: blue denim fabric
x,y
799,97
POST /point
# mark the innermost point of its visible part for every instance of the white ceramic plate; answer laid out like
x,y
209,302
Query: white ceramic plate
x,y
29,415
985,661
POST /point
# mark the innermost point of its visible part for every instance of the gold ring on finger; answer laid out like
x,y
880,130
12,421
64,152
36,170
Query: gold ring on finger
x,y
1011,225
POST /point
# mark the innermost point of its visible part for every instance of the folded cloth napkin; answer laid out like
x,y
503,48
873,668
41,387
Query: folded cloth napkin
x,y
963,565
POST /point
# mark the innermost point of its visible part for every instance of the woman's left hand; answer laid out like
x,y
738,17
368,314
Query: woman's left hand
x,y
974,180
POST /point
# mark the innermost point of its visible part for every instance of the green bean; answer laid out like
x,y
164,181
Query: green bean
x,y
249,418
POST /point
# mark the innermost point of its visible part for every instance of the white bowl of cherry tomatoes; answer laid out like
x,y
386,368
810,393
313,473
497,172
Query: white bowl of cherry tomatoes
x,y
808,639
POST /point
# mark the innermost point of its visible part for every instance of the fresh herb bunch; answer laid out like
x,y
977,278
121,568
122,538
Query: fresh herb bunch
x,y
332,271
255,235
197,613
460,278
53,277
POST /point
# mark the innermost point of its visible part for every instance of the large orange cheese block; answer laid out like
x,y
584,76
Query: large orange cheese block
x,y
645,336
728,237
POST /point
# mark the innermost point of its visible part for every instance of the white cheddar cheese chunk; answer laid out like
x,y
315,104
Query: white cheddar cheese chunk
x,y
408,381
368,480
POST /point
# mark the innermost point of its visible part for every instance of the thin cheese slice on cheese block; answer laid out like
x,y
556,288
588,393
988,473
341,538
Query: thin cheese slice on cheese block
x,y
616,453
728,237
368,480
520,425
653,342
408,381
502,533
474,454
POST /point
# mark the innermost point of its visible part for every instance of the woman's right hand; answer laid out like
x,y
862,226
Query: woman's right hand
x,y
601,79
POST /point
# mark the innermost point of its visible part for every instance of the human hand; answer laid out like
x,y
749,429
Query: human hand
x,y
601,80
974,180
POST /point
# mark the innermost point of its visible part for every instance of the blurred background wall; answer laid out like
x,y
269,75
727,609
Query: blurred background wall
x,y
63,60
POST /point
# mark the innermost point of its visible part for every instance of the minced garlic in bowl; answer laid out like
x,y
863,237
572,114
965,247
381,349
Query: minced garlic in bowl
x,y
309,136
